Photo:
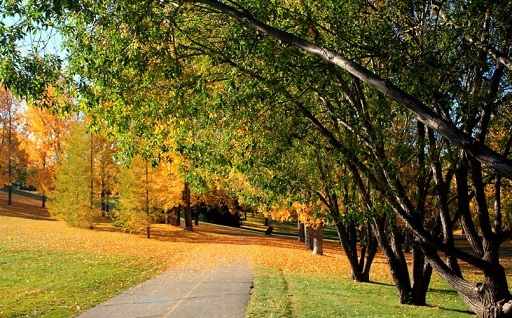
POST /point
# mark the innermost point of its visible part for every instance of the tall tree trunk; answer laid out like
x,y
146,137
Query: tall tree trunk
x,y
188,210
146,185
9,159
302,234
197,212
9,194
176,216
396,261
318,239
421,273
309,236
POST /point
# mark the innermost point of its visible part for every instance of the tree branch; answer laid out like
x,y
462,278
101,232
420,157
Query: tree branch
x,y
424,114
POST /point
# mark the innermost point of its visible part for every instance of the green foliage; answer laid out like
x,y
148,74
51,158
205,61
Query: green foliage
x,y
71,199
131,216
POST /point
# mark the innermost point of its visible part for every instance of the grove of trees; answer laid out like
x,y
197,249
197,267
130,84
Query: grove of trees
x,y
390,119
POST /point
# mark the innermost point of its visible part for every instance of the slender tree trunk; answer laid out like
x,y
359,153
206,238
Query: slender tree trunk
x,y
43,200
318,239
188,210
309,236
176,217
148,227
9,160
9,194
365,261
91,177
302,234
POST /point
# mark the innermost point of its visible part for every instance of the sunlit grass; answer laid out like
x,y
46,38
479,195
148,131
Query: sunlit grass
x,y
47,283
302,295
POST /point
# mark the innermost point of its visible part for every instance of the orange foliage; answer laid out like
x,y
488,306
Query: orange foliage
x,y
45,133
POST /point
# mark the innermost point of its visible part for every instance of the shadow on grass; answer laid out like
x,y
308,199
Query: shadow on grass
x,y
460,311
24,205
433,290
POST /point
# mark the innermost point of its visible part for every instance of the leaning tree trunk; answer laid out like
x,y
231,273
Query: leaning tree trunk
x,y
488,299
396,262
318,239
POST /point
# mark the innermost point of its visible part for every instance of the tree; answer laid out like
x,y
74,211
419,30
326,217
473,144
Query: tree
x,y
71,198
43,144
134,213
13,158
459,88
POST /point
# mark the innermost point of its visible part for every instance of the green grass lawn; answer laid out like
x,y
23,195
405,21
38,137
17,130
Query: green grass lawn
x,y
278,294
47,283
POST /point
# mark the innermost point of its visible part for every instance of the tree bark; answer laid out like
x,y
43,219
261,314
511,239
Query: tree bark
x,y
309,236
302,234
188,210
396,261
176,216
318,239
421,273
489,299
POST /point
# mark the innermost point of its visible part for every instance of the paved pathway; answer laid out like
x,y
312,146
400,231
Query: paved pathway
x,y
216,292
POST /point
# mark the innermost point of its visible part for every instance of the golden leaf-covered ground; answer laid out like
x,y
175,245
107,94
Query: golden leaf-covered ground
x,y
27,225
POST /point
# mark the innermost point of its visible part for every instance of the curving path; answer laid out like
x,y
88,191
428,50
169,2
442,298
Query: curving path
x,y
221,291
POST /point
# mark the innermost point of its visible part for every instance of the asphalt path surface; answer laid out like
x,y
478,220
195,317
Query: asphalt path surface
x,y
220,291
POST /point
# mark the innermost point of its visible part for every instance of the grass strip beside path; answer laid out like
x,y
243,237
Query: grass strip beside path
x,y
293,295
46,283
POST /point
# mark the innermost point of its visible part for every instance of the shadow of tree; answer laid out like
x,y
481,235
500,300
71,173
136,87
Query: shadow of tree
x,y
23,207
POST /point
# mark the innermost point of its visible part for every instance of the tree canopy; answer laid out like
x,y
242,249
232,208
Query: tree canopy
x,y
408,102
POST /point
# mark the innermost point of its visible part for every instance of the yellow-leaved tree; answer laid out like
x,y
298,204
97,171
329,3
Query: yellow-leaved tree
x,y
12,157
72,195
45,133
148,192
